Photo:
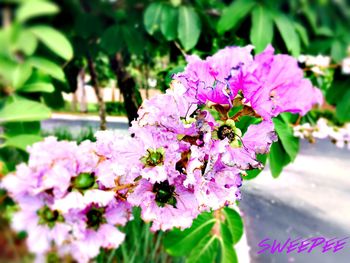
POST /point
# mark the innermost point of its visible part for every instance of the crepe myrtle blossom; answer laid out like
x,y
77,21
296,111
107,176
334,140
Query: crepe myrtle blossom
x,y
188,153
317,64
45,226
165,205
95,227
339,135
269,84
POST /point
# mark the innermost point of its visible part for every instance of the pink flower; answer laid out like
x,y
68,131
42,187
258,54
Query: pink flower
x,y
275,84
166,206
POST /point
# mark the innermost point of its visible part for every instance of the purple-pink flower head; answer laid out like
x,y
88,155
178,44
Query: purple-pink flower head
x,y
276,84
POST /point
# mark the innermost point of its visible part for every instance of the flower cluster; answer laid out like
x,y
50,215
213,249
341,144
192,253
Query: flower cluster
x,y
339,135
66,201
187,154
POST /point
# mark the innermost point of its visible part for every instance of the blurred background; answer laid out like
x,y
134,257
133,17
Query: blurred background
x,y
71,67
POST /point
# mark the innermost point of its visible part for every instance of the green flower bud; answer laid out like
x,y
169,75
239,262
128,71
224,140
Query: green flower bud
x,y
84,181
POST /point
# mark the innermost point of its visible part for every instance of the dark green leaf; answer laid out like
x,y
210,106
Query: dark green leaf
x,y
233,14
278,159
285,135
234,223
290,37
343,107
152,17
261,32
169,20
300,29
17,128
338,50
251,174
133,40
189,27
111,40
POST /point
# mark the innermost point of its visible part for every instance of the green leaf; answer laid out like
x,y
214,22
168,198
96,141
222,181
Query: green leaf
x,y
233,14
21,141
17,128
189,27
38,87
7,69
54,40
343,108
251,174
290,37
26,42
20,109
133,40
235,223
261,32
337,90
32,9
111,40
228,254
278,159
47,67
205,250
338,51
21,75
179,243
285,135
324,31
300,29
152,17
169,20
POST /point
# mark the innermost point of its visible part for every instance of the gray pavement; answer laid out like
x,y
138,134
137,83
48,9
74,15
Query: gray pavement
x,y
311,198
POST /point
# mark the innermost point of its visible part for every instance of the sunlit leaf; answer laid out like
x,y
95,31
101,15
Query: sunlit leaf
x,y
48,67
54,40
38,87
32,9
21,74
205,250
21,109
21,141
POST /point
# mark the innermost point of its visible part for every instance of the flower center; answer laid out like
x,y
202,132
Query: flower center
x,y
164,194
225,131
95,217
154,157
49,217
84,181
